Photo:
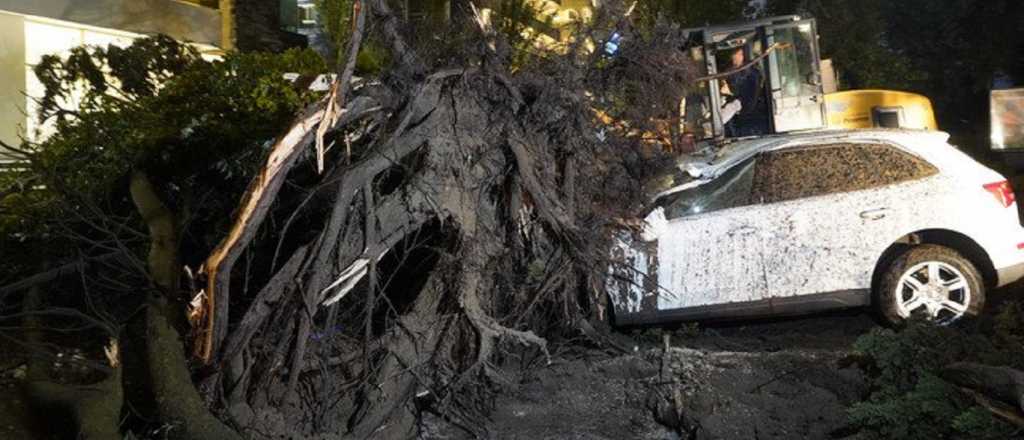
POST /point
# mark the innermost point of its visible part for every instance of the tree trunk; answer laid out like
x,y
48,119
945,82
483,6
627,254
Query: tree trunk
x,y
163,236
1001,383
176,398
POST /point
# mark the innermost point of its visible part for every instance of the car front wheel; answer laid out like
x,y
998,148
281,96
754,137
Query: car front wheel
x,y
932,282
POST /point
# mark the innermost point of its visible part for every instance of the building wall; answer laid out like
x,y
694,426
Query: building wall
x,y
182,20
30,29
55,37
12,78
24,40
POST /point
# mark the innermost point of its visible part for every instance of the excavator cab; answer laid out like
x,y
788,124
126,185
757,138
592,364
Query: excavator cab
x,y
784,50
790,95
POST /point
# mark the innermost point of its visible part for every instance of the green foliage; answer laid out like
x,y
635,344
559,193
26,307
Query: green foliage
x,y
1008,325
163,108
977,423
924,411
198,128
692,13
337,21
909,400
960,44
512,17
853,36
372,59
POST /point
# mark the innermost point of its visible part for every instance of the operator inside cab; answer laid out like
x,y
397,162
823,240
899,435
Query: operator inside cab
x,y
745,112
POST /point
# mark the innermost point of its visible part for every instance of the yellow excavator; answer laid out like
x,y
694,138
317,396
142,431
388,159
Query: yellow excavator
x,y
799,89
879,108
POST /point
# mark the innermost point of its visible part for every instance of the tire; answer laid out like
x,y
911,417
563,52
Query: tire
x,y
906,288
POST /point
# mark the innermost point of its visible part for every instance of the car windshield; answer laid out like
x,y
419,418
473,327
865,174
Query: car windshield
x,y
729,190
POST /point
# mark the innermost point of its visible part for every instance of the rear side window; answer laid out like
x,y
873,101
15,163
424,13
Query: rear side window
x,y
833,168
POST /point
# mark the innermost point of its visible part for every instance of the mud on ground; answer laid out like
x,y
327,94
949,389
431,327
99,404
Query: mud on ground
x,y
764,380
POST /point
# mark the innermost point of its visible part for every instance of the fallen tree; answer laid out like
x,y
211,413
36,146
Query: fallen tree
x,y
494,176
998,389
464,222
463,227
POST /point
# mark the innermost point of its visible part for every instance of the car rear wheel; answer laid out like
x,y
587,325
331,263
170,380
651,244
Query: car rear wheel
x,y
932,282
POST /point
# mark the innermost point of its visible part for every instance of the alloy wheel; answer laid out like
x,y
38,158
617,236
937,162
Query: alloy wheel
x,y
933,289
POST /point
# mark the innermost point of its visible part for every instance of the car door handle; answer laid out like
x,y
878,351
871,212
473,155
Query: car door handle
x,y
874,214
743,230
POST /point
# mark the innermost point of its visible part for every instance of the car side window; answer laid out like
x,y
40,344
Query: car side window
x,y
833,168
730,190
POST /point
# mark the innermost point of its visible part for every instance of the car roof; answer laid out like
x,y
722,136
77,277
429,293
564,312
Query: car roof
x,y
742,149
706,168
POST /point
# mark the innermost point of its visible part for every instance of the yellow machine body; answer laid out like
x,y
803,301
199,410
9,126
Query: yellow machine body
x,y
879,108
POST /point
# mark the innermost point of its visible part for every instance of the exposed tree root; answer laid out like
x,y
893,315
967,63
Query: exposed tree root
x,y
387,410
473,171
479,174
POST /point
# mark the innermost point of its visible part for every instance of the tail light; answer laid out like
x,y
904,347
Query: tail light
x,y
1002,191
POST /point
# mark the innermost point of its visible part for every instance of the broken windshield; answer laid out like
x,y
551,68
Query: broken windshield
x,y
730,190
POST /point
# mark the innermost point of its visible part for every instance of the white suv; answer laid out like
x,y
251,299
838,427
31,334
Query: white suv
x,y
799,223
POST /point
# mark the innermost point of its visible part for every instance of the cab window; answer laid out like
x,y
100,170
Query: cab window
x,y
796,63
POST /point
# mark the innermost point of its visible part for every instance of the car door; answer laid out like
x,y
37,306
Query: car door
x,y
710,250
834,209
712,259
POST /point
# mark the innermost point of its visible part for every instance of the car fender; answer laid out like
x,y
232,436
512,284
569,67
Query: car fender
x,y
931,233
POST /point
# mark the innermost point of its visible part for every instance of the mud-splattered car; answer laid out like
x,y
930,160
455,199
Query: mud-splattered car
x,y
791,224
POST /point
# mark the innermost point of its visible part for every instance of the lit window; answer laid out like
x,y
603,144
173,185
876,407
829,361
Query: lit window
x,y
307,13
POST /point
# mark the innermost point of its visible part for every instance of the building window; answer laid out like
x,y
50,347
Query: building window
x,y
299,15
307,14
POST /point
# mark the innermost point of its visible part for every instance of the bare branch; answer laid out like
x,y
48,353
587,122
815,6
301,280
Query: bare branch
x,y
55,273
